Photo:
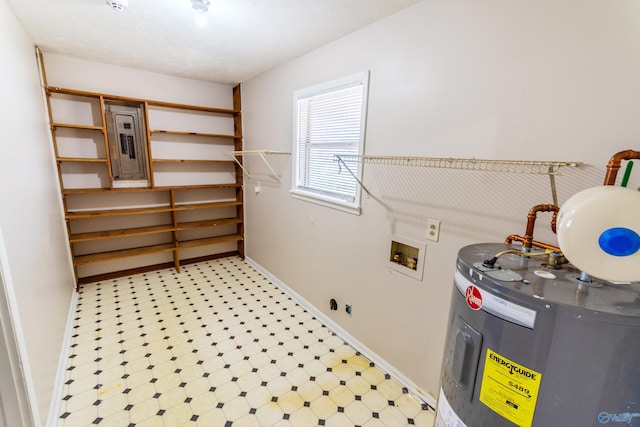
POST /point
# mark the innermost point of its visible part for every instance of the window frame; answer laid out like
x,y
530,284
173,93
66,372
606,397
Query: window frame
x,y
318,197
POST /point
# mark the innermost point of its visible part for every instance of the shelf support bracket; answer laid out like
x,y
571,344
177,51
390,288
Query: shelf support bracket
x,y
262,154
275,175
552,181
246,172
360,183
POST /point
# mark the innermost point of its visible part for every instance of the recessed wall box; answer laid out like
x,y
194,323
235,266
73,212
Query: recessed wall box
x,y
407,256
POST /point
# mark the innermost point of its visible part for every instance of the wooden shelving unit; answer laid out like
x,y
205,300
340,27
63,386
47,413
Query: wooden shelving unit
x,y
179,216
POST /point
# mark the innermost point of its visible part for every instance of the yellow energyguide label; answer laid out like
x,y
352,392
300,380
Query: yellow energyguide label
x,y
509,389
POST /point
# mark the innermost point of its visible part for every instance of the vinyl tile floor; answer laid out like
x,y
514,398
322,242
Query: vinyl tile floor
x,y
218,345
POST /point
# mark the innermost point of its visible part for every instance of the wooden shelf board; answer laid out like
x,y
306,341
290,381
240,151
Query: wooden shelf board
x,y
208,135
190,161
207,223
81,159
209,241
153,229
124,232
150,210
75,92
143,189
153,267
197,187
117,212
195,206
105,190
122,253
193,107
76,126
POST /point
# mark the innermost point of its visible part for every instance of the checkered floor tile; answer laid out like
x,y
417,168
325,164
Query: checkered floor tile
x,y
218,345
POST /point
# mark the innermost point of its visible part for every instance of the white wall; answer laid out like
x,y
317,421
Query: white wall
x,y
31,215
73,73
546,80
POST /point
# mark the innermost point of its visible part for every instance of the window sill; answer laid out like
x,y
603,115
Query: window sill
x,y
328,202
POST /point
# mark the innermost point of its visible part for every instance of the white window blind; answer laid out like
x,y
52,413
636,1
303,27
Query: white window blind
x,y
330,121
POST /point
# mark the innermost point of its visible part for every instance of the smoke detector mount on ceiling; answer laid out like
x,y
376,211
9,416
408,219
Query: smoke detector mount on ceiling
x,y
200,5
118,5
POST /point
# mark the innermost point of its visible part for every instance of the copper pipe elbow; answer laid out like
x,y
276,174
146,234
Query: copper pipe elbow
x,y
510,238
614,164
531,219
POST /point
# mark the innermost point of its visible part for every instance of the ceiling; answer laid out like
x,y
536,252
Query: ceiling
x,y
242,38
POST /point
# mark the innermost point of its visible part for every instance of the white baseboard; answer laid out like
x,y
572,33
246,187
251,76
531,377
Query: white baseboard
x,y
346,336
58,386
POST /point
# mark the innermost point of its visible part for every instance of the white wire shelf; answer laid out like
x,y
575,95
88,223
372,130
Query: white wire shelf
x,y
527,167
255,152
531,167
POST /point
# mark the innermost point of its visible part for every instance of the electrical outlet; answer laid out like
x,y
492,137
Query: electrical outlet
x,y
433,229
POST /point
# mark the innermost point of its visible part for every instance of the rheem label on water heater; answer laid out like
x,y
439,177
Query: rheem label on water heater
x,y
509,389
473,296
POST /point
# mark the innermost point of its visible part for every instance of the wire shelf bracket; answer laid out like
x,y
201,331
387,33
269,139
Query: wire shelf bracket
x,y
260,153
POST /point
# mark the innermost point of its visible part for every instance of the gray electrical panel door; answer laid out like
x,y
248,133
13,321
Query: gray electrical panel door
x,y
126,142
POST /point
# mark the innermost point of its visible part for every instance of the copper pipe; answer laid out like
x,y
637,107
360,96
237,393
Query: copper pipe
x,y
531,220
535,243
614,164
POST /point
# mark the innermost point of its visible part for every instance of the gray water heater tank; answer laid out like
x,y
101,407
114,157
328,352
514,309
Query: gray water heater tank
x,y
535,341
529,345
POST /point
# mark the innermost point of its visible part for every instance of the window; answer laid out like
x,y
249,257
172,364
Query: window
x,y
330,120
